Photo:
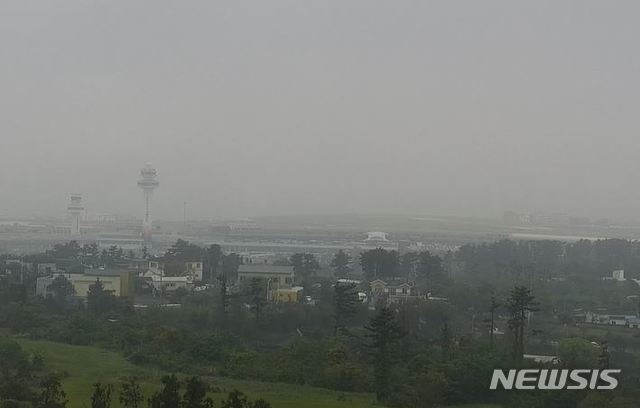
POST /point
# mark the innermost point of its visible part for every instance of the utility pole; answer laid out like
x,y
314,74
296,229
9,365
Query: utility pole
x,y
494,306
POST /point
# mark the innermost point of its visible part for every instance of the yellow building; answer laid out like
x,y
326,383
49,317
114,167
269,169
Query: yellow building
x,y
290,295
120,282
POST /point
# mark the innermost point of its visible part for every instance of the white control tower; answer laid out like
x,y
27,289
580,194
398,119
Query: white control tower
x,y
148,182
75,209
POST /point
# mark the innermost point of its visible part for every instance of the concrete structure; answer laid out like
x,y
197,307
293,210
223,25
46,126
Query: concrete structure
x,y
120,282
279,277
75,209
148,182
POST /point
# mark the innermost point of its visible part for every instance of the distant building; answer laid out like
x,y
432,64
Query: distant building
x,y
280,276
541,359
120,282
161,284
192,269
612,320
617,275
633,322
377,236
394,293
46,269
287,295
617,320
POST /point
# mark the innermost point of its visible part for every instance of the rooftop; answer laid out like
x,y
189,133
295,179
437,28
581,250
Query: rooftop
x,y
264,268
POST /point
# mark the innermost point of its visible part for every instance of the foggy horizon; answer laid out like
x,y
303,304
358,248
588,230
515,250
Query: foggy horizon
x,y
445,108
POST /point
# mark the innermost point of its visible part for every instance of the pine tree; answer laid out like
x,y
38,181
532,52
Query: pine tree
x,y
384,334
345,304
520,304
340,263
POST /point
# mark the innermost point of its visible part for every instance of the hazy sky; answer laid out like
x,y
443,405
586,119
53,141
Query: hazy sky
x,y
277,107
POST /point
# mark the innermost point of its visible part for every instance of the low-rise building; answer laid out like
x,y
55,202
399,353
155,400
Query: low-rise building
x,y
279,277
394,292
120,282
617,275
163,284
612,319
193,269
287,295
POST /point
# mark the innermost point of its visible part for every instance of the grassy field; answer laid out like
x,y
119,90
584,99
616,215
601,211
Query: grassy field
x,y
83,366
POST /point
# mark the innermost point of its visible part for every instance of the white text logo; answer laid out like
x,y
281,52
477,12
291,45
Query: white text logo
x,y
532,379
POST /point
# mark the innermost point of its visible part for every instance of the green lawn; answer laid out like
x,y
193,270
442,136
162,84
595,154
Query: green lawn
x,y
83,366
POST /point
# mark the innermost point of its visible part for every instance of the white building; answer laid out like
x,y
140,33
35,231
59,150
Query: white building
x,y
618,275
377,236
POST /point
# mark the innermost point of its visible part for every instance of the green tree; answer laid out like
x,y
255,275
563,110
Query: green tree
x,y
212,257
383,333
169,395
520,303
493,306
304,265
100,300
260,403
16,372
445,342
184,250
578,353
52,395
131,394
195,395
224,295
379,263
604,357
236,399
258,297
340,264
101,397
429,266
62,290
230,265
345,304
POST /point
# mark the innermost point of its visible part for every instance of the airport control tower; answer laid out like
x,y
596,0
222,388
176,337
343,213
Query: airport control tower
x,y
148,182
75,209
